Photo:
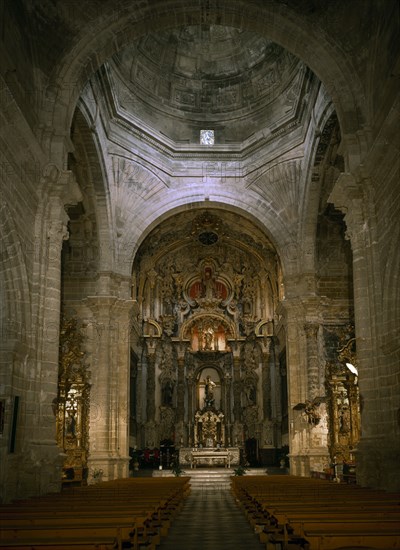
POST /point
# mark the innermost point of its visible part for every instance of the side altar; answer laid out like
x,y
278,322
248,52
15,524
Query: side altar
x,y
194,457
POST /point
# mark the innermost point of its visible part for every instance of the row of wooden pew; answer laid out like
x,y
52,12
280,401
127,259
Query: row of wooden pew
x,y
128,513
293,513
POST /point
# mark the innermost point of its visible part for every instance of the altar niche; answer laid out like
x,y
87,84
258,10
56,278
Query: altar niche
x,y
209,390
209,420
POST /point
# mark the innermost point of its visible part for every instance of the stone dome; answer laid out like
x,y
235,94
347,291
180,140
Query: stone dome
x,y
206,73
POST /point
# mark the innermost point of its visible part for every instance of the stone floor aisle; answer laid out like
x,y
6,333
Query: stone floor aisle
x,y
211,520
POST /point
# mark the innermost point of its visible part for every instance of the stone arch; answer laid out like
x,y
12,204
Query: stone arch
x,y
283,258
313,187
146,219
289,27
90,169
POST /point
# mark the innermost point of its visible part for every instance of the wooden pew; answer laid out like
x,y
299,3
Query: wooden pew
x,y
134,512
316,514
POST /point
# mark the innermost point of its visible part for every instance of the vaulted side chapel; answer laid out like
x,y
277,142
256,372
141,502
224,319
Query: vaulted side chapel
x,y
199,238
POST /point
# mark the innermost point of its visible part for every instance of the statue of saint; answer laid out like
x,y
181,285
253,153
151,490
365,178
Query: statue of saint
x,y
208,339
209,284
209,391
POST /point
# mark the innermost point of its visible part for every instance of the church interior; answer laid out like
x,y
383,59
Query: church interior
x,y
200,230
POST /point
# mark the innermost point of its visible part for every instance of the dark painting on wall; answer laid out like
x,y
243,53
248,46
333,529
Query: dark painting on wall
x,y
13,433
2,409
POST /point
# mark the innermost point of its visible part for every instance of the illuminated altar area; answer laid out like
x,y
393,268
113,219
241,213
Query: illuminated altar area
x,y
204,376
210,437
225,457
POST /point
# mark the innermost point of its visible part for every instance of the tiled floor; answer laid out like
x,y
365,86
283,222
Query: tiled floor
x,y
211,520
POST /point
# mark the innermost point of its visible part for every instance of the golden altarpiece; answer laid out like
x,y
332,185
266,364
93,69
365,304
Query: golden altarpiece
x,y
206,295
72,404
343,403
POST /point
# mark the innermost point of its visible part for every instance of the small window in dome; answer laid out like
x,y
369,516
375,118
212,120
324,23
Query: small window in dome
x,y
207,137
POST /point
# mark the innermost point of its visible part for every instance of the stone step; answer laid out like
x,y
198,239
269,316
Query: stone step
x,y
210,478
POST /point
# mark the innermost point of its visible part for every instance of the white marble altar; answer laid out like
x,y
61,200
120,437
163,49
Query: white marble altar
x,y
214,456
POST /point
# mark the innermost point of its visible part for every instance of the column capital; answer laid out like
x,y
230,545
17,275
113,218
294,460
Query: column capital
x,y
57,230
112,306
291,309
266,344
181,348
60,184
236,347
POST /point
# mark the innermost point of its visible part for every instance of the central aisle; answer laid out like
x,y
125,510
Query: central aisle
x,y
210,520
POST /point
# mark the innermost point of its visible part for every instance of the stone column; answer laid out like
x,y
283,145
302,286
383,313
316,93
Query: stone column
x,y
318,431
41,463
266,346
311,331
379,445
109,396
296,383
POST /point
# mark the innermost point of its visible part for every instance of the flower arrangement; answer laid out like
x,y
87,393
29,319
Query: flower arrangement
x,y
240,470
177,470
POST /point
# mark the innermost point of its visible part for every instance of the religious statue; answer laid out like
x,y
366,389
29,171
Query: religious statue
x,y
209,392
344,421
208,284
70,424
208,339
250,393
